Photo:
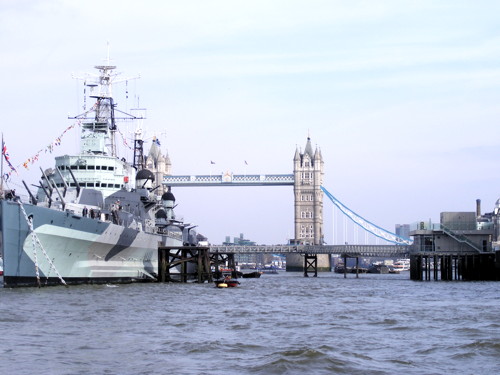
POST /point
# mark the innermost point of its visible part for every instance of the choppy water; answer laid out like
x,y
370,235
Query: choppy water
x,y
278,324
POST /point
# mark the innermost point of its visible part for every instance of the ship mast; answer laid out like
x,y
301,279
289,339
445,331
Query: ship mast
x,y
105,106
104,121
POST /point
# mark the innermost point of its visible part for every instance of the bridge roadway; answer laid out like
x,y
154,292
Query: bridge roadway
x,y
347,250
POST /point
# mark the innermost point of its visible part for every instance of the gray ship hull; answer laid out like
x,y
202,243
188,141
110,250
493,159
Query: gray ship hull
x,y
82,250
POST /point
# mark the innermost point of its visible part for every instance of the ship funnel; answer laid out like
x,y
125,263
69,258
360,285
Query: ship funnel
x,y
478,207
168,201
144,179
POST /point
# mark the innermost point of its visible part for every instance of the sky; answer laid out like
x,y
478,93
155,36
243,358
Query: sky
x,y
402,98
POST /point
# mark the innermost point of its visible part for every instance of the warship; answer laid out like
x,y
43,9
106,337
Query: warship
x,y
95,217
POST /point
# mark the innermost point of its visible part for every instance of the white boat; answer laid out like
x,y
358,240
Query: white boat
x,y
400,265
96,217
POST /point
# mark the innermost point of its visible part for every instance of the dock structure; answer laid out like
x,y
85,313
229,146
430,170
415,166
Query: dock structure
x,y
223,259
194,262
345,256
202,263
447,266
349,250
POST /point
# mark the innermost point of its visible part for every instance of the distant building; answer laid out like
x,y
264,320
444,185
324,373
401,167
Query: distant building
x,y
238,241
253,259
403,230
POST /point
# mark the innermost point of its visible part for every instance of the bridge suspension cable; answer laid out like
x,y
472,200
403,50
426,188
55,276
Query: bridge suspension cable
x,y
366,225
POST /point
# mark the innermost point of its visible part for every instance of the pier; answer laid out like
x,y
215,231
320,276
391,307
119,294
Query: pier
x,y
457,266
202,263
194,262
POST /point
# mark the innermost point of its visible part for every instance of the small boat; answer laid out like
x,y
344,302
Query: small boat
x,y
252,275
271,270
226,283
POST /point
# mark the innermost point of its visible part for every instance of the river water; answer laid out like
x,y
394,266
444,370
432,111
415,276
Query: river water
x,y
278,324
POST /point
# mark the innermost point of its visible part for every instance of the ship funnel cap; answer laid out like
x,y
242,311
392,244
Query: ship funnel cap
x,y
145,174
168,196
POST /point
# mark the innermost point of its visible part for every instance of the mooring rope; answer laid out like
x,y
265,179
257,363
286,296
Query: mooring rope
x,y
48,273
33,241
36,240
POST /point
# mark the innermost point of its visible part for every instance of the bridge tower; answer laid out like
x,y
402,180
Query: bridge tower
x,y
308,170
308,176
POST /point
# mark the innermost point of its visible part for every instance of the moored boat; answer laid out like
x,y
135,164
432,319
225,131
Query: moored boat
x,y
400,265
378,268
96,218
252,275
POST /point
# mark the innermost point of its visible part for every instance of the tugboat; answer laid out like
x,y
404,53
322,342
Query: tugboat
x,y
95,218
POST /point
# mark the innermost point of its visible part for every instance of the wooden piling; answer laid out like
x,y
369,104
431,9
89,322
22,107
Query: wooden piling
x,y
345,266
181,257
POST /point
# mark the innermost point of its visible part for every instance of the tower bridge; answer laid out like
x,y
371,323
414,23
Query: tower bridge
x,y
307,182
